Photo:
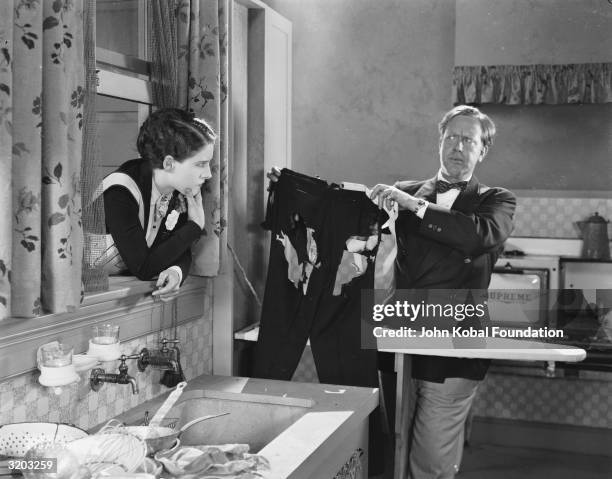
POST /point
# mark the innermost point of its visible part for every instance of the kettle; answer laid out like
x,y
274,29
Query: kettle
x,y
595,242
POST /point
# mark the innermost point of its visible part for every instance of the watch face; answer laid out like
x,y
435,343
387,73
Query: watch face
x,y
420,204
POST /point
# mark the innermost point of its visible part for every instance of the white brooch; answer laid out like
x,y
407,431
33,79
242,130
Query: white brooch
x,y
171,220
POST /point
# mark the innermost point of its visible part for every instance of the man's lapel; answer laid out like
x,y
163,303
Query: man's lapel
x,y
466,200
427,190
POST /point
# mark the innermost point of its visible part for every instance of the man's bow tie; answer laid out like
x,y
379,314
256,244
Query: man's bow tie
x,y
443,186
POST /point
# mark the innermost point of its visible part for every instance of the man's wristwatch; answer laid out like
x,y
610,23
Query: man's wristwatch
x,y
421,203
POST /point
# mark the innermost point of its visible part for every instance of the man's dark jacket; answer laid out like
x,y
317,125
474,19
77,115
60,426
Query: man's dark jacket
x,y
454,249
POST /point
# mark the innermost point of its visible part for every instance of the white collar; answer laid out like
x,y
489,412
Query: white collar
x,y
155,194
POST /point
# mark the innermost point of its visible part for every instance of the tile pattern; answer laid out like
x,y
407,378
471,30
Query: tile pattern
x,y
555,217
553,400
24,399
306,371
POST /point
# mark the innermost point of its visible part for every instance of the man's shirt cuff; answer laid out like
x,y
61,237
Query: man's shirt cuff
x,y
179,271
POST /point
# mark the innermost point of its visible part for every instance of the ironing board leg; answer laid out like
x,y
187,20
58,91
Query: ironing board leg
x,y
403,368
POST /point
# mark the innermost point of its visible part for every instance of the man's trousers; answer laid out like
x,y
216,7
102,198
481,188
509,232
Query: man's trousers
x,y
437,432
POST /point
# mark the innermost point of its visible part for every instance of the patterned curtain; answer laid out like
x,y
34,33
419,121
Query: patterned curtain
x,y
42,81
533,84
202,88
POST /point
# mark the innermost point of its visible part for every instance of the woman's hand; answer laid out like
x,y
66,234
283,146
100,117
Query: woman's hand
x,y
273,175
195,208
168,284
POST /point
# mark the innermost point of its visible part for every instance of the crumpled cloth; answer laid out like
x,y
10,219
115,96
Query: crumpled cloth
x,y
213,462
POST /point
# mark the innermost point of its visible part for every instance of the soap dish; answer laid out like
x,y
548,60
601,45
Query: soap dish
x,y
83,362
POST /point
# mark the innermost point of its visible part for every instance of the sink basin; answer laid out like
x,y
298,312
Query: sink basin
x,y
254,419
302,429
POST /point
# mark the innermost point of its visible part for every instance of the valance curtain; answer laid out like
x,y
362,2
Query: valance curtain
x,y
533,84
42,84
196,79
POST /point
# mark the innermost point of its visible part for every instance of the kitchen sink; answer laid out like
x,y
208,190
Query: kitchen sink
x,y
302,429
254,419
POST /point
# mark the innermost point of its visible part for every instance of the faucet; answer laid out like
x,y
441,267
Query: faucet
x,y
164,358
98,376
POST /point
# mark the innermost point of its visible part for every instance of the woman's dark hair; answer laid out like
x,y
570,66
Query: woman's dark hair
x,y
172,131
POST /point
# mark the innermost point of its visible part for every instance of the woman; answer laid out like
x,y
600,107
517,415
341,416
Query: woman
x,y
153,205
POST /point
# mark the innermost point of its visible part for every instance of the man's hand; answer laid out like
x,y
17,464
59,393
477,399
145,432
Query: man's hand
x,y
273,175
195,208
386,195
168,285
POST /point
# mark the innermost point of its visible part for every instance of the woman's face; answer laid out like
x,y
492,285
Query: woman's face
x,y
191,173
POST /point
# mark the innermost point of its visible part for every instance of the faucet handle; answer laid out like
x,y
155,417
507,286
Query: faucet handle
x,y
165,342
123,357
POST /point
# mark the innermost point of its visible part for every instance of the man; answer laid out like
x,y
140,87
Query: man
x,y
450,231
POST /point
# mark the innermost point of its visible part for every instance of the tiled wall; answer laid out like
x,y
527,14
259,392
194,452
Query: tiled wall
x,y
24,399
557,400
571,401
555,217
306,372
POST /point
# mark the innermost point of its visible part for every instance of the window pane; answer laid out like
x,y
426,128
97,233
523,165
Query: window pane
x,y
117,25
117,131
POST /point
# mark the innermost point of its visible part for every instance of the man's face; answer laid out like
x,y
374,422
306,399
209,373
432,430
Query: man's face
x,y
192,172
461,148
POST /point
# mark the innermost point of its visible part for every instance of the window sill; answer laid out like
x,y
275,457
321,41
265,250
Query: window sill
x,y
128,303
120,287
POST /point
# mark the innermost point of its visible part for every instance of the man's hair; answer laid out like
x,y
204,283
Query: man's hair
x,y
172,131
486,124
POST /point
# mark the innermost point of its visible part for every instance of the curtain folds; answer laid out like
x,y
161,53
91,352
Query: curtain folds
x,y
42,82
199,71
533,84
164,57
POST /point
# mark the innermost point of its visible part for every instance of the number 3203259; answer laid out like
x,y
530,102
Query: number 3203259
x,y
47,465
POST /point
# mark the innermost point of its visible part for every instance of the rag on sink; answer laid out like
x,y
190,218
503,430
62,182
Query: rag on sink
x,y
213,462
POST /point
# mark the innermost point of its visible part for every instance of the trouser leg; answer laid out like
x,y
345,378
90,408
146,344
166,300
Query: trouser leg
x,y
438,427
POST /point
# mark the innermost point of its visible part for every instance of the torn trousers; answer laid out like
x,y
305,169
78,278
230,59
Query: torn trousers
x,y
323,246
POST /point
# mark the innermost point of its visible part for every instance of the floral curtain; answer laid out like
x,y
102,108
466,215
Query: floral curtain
x,y
42,81
202,88
533,84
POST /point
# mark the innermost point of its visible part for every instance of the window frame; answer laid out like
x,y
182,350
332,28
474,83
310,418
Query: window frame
x,y
128,78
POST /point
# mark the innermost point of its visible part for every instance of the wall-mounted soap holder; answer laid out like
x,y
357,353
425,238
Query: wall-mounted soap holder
x,y
104,352
104,343
56,366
